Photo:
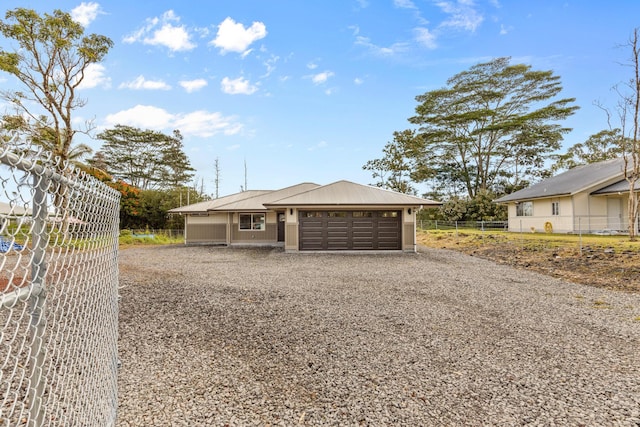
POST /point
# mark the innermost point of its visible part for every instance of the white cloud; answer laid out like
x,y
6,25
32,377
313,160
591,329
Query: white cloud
x,y
462,14
312,65
237,86
425,37
140,83
193,85
206,124
394,49
94,76
234,37
404,4
321,78
86,13
142,116
318,146
162,32
358,81
198,123
270,65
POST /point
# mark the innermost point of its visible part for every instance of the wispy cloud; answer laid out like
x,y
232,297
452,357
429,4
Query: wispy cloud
x,y
239,86
394,49
140,83
321,78
86,13
163,31
234,37
462,14
404,4
197,123
358,81
425,37
193,85
320,145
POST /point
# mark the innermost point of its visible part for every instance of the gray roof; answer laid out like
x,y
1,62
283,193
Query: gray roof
x,y
208,205
349,193
621,186
257,203
573,181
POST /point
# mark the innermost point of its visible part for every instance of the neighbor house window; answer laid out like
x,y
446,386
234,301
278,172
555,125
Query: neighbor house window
x,y
254,221
524,209
555,208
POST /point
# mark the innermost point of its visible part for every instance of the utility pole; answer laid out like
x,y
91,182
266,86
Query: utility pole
x,y
216,170
245,175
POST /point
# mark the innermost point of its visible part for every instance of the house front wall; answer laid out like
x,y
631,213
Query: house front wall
x,y
407,224
547,215
267,236
206,229
581,212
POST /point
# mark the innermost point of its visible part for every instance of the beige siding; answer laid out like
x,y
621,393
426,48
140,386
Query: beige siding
x,y
408,234
206,233
291,237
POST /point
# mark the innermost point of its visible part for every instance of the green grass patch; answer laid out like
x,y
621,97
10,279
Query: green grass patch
x,y
531,241
127,238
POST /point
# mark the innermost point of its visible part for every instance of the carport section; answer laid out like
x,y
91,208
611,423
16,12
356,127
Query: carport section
x,y
350,230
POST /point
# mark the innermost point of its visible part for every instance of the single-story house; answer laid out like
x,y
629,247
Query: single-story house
x,y
590,199
308,217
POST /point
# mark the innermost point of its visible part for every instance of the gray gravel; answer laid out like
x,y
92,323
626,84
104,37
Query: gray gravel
x,y
218,336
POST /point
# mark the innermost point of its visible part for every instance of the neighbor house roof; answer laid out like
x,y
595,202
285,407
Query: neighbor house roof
x,y
209,205
8,209
573,181
621,186
349,193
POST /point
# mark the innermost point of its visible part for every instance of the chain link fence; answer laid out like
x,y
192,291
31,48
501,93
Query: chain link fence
x,y
58,293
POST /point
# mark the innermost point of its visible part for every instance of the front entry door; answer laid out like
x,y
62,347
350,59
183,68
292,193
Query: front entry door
x,y
614,213
281,223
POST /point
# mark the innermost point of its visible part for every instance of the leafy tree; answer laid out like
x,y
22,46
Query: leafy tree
x,y
491,124
50,60
604,145
393,171
145,158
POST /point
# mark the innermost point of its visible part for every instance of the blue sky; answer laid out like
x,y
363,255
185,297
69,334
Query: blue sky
x,y
311,90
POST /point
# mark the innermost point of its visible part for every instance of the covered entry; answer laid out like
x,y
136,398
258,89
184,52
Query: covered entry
x,y
350,230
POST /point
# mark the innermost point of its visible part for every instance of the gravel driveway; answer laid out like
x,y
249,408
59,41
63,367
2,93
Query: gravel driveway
x,y
218,336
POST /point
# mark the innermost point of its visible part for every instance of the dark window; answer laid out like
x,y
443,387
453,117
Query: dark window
x,y
254,221
524,209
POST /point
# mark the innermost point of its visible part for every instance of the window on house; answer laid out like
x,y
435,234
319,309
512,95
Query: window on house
x,y
389,214
555,208
524,209
362,214
337,214
254,221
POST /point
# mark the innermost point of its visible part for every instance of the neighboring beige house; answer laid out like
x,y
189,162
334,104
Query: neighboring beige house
x,y
590,199
308,217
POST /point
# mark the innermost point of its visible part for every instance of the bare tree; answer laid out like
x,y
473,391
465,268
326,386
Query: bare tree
x,y
628,111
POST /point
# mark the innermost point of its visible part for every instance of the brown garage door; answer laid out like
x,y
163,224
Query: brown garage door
x,y
350,230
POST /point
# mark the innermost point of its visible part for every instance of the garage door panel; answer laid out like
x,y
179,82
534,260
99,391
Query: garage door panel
x,y
345,230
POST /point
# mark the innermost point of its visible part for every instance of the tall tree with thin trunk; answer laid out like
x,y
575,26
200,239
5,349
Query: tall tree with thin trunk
x,y
50,59
628,109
